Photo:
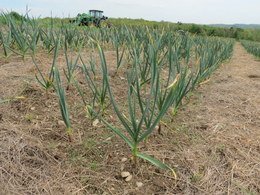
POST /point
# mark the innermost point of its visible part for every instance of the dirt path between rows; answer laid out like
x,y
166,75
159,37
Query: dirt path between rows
x,y
213,142
226,114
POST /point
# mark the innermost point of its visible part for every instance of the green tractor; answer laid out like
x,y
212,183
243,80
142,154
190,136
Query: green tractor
x,y
94,17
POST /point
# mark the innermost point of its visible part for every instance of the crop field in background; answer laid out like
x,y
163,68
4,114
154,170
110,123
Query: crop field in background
x,y
102,110
252,47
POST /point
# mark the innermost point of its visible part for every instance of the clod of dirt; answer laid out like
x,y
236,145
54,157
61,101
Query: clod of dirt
x,y
129,178
124,159
61,123
122,167
95,123
112,72
125,174
139,184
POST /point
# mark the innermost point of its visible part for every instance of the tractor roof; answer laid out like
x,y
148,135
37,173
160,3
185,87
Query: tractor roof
x,y
93,10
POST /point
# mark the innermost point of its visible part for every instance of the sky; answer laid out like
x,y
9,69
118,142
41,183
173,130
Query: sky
x,y
186,11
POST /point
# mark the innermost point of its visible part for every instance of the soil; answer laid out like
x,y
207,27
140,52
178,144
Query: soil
x,y
213,143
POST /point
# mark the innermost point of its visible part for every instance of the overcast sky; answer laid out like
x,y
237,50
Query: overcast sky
x,y
188,11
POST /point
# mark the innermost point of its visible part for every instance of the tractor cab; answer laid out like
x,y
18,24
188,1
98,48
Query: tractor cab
x,y
96,13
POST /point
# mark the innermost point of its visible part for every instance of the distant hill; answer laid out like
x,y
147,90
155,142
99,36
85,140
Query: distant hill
x,y
244,26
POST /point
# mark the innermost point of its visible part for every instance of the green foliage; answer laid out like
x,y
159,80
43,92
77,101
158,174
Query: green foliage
x,y
47,81
237,33
70,69
150,92
98,89
164,64
13,15
62,102
252,47
133,124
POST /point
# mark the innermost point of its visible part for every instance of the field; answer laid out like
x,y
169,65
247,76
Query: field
x,y
127,110
252,47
